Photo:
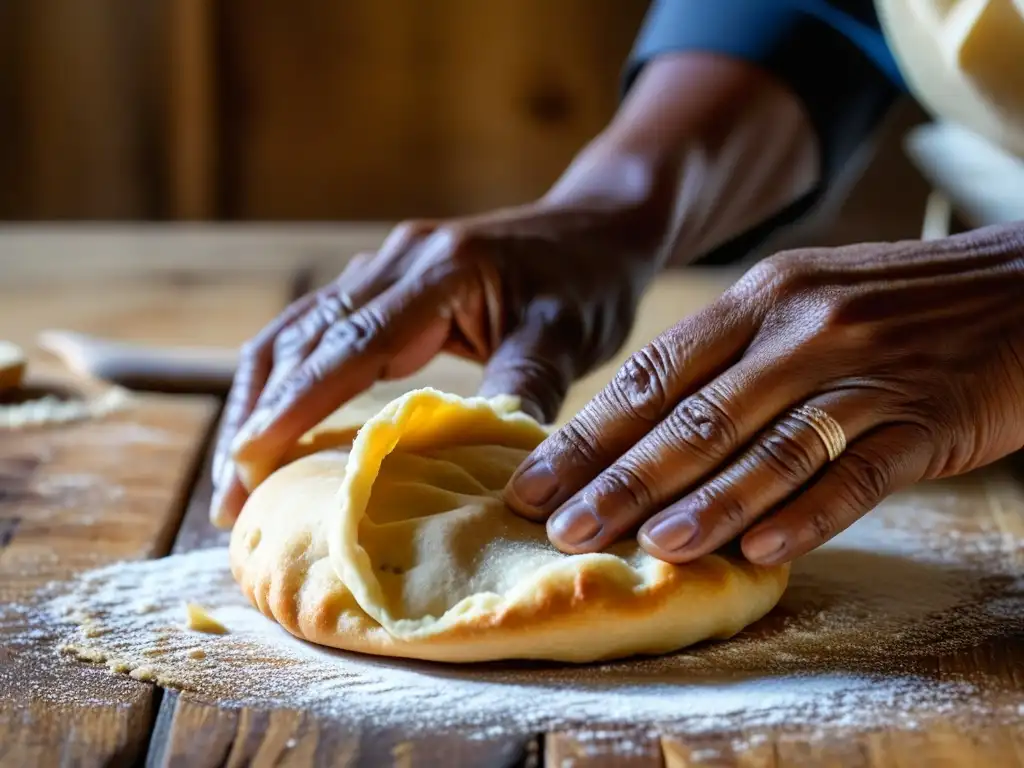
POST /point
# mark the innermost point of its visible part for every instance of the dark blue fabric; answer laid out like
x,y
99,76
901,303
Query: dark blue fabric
x,y
831,53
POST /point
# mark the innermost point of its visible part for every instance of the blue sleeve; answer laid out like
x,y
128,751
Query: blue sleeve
x,y
832,55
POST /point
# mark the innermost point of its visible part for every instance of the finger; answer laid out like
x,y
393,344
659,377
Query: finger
x,y
534,363
365,277
254,365
353,354
779,462
390,263
880,463
690,443
295,343
644,390
356,266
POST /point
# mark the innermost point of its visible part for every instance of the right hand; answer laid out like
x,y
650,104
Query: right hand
x,y
540,293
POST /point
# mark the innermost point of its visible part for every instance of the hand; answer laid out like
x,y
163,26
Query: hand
x,y
541,293
915,349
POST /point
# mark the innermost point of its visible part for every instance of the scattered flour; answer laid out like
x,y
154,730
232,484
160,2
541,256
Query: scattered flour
x,y
852,644
51,410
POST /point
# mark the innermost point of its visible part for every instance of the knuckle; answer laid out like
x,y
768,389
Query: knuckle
x,y
823,525
329,306
626,485
789,457
301,380
410,229
867,479
290,338
639,388
769,271
251,349
455,238
772,273
725,504
783,274
356,332
702,425
580,442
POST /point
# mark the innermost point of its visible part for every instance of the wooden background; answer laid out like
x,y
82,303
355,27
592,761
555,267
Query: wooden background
x,y
254,109
311,110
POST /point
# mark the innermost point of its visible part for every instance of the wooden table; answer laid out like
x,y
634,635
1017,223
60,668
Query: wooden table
x,y
216,287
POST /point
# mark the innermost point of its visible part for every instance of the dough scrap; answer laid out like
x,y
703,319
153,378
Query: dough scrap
x,y
198,619
12,365
401,545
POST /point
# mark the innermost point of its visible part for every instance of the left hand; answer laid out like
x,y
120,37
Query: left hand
x,y
915,349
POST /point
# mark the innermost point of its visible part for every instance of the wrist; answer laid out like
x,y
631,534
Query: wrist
x,y
623,194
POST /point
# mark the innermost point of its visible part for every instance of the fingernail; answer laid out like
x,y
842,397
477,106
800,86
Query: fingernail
x,y
574,525
765,547
672,533
535,485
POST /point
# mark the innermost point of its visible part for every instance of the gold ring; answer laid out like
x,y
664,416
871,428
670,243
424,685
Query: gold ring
x,y
827,428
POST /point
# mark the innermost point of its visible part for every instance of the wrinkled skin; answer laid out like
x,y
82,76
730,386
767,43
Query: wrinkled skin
x,y
916,349
539,293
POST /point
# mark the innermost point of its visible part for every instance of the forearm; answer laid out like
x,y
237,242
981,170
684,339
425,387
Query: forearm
x,y
703,148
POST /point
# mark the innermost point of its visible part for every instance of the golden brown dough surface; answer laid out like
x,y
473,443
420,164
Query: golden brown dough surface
x,y
402,546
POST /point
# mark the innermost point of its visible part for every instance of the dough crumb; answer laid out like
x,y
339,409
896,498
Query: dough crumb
x,y
199,620
145,674
197,653
119,666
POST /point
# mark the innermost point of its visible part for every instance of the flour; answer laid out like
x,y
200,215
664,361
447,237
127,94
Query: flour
x,y
851,645
51,410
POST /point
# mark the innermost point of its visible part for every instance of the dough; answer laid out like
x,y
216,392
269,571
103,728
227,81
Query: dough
x,y
339,428
198,619
402,546
12,365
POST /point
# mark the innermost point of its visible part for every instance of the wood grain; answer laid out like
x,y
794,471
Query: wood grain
x,y
80,496
194,733
72,498
77,101
192,114
395,109
609,748
89,257
220,311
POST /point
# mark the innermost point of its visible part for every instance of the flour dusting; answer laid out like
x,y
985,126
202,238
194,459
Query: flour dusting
x,y
852,644
51,411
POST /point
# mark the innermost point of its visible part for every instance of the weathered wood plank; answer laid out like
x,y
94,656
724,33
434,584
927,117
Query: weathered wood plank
x,y
608,748
91,256
74,498
220,311
84,495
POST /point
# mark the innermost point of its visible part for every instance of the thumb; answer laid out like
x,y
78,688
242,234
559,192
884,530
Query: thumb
x,y
535,363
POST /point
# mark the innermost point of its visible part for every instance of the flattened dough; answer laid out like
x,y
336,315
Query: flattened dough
x,y
402,546
12,365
